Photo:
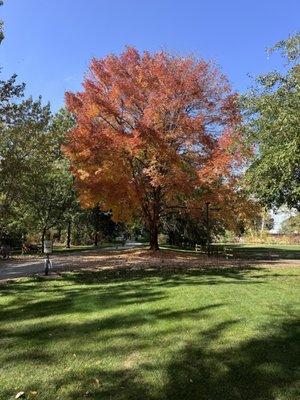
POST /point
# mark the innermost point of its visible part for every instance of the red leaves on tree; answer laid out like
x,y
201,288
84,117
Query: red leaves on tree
x,y
153,131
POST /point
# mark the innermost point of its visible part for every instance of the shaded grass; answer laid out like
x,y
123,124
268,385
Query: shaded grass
x,y
211,334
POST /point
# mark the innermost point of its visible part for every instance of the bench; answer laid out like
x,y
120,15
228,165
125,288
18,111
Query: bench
x,y
30,248
218,252
119,241
5,251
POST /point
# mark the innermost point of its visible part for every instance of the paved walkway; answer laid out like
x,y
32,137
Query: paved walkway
x,y
17,268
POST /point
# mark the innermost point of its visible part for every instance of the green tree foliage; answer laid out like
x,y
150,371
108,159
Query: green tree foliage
x,y
261,222
271,115
102,224
22,141
45,205
36,185
24,145
52,200
291,225
35,181
1,25
184,229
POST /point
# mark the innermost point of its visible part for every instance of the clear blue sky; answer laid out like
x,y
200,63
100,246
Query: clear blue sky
x,y
49,43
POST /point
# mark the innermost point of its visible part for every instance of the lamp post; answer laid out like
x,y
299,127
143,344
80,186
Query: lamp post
x,y
208,238
48,247
207,227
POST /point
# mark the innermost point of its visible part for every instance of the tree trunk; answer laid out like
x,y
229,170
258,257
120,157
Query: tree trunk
x,y
154,219
262,228
154,237
68,244
43,237
96,239
59,235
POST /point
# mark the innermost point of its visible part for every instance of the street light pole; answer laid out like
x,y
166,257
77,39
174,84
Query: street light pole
x,y
207,228
208,236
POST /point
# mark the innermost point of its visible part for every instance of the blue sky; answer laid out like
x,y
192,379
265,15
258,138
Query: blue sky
x,y
49,43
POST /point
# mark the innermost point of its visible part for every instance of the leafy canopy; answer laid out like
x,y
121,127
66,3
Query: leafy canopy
x,y
1,25
153,131
291,225
271,115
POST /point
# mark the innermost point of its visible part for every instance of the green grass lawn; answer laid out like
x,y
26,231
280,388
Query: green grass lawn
x,y
264,251
214,334
251,251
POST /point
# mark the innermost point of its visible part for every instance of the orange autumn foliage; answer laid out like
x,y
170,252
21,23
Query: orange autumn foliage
x,y
154,131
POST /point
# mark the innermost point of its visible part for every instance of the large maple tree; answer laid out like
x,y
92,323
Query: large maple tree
x,y
154,132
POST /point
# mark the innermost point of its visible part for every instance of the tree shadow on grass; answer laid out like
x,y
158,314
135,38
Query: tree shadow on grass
x,y
105,289
262,368
102,330
43,334
172,275
36,356
74,301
